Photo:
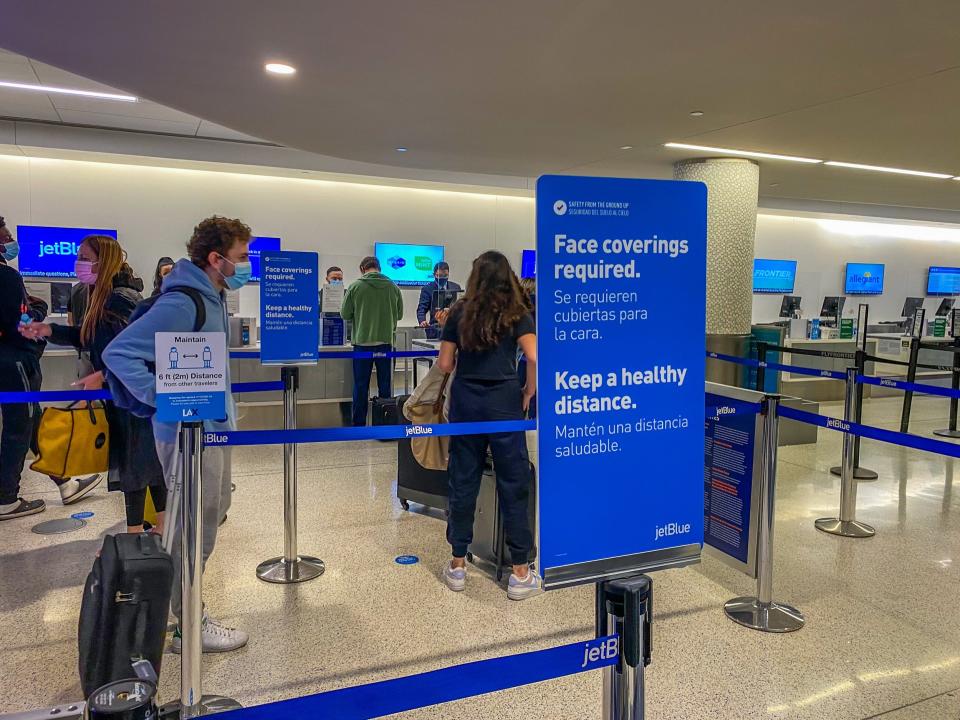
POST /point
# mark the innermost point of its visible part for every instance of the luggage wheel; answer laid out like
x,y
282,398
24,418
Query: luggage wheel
x,y
405,504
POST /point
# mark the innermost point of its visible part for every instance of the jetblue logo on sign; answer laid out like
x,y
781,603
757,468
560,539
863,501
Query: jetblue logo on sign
x,y
418,430
670,529
59,248
838,425
603,649
888,383
214,439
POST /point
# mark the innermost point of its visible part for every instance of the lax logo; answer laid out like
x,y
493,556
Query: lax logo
x,y
560,207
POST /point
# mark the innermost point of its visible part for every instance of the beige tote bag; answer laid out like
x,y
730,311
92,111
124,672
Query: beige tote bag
x,y
433,453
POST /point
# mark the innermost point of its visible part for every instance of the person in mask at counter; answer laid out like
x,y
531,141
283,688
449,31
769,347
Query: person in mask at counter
x,y
435,297
218,260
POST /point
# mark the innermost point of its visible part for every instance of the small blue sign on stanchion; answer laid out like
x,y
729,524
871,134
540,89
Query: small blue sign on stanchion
x,y
621,291
191,376
289,308
406,560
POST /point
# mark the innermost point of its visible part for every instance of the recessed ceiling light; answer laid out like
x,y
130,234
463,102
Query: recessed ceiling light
x,y
898,171
696,113
744,153
626,147
280,68
68,91
774,184
401,149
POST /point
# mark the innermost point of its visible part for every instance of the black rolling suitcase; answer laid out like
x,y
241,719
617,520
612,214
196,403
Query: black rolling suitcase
x,y
123,615
489,539
417,483
386,411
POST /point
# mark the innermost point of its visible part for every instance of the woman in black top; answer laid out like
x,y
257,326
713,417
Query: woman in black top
x,y
113,293
164,266
480,339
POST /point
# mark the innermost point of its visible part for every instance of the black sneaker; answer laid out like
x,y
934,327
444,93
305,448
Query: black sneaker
x,y
73,490
24,508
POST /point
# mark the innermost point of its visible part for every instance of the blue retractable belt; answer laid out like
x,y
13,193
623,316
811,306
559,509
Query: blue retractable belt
x,y
440,686
872,433
346,354
909,386
383,432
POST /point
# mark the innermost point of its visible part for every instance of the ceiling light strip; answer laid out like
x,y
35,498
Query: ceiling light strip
x,y
68,91
898,171
744,153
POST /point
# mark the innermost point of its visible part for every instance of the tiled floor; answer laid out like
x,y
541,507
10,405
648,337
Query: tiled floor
x,y
882,638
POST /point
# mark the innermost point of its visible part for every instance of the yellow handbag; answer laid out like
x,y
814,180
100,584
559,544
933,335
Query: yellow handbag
x,y
73,441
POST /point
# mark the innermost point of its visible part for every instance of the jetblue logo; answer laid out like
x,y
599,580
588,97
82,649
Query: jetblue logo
x,y
838,425
418,430
888,383
214,439
600,650
726,411
670,529
62,249
826,373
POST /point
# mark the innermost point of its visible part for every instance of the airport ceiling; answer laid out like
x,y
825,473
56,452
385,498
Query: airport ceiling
x,y
543,86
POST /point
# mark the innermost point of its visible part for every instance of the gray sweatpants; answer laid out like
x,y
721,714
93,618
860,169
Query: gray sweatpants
x,y
216,493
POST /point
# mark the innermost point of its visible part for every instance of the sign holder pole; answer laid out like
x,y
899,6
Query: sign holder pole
x,y
952,432
193,702
915,336
846,524
625,608
859,473
290,567
761,612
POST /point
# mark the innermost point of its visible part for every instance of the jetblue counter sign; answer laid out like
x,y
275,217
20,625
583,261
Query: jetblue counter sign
x,y
621,304
191,376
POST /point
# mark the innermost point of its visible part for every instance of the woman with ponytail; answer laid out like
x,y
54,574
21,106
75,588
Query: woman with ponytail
x,y
113,291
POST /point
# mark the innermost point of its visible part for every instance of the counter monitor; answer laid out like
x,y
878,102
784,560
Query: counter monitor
x,y
946,305
832,306
943,281
790,306
910,307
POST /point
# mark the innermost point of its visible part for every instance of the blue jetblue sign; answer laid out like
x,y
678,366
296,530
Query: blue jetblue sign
x,y
289,308
621,293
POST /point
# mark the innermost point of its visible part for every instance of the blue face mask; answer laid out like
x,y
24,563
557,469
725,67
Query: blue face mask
x,y
442,282
11,248
242,271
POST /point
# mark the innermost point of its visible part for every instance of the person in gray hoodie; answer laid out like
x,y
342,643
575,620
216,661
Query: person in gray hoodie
x,y
218,261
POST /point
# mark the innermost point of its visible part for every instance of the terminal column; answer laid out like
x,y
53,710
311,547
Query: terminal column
x,y
732,192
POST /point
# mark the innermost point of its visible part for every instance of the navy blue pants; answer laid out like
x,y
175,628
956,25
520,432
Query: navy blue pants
x,y
362,369
475,401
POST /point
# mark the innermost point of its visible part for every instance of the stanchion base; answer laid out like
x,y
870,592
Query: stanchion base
x,y
947,433
858,473
209,705
278,570
845,528
775,617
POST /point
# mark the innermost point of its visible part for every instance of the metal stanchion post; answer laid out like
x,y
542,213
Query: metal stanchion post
x,y
952,432
625,608
290,567
761,612
761,369
916,335
859,473
846,525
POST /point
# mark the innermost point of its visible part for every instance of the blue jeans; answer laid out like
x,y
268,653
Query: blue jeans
x,y
362,368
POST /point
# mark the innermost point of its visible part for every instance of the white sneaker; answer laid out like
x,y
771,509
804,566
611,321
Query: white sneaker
x,y
76,489
455,578
518,589
215,637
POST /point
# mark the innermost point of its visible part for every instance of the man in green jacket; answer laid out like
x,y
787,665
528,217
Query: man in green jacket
x,y
374,306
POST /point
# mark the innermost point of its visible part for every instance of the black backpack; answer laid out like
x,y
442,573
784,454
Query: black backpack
x,y
122,397
143,307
